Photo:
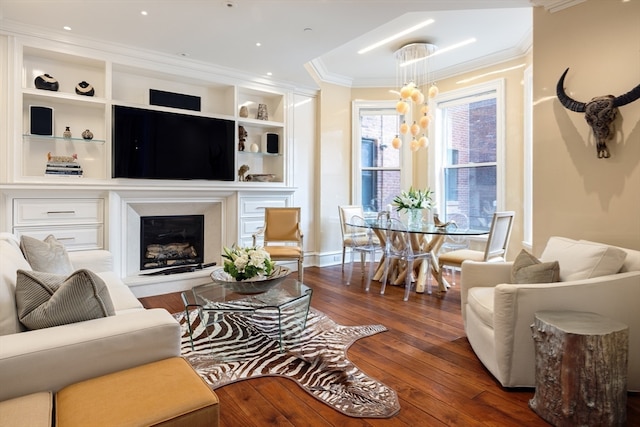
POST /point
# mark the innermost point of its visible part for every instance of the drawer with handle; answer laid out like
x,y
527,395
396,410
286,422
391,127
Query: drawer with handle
x,y
74,238
57,211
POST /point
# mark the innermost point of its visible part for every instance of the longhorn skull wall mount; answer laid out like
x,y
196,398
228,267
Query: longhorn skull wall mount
x,y
600,112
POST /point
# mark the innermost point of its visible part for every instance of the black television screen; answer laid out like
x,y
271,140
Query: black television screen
x,y
153,144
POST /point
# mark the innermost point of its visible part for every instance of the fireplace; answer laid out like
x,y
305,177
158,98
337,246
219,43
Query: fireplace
x,y
171,241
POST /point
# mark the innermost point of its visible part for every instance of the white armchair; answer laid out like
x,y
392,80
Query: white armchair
x,y
498,316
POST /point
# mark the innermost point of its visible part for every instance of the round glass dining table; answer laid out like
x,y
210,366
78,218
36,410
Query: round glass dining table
x,y
427,237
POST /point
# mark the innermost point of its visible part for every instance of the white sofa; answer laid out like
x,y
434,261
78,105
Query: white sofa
x,y
51,358
498,316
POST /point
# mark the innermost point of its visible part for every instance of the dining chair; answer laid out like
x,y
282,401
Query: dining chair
x,y
365,242
495,249
351,236
282,234
403,247
455,242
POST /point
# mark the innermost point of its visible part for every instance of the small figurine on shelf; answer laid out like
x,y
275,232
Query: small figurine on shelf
x,y
262,112
84,88
67,133
243,169
46,82
87,134
63,165
244,111
242,137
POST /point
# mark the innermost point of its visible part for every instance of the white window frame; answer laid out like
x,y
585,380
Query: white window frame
x,y
356,149
527,178
464,96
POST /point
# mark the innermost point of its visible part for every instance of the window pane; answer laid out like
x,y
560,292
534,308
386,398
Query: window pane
x,y
472,132
379,130
379,188
472,193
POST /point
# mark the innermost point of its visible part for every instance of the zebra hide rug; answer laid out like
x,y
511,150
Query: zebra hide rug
x,y
316,360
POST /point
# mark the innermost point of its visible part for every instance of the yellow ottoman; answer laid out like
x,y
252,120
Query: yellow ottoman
x,y
164,393
33,410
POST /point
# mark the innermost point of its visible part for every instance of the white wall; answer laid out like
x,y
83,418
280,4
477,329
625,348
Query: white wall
x,y
575,194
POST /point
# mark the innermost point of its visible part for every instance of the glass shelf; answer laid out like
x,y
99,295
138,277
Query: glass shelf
x,y
259,153
46,138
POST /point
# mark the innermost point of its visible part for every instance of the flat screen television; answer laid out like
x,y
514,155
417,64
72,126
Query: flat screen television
x,y
151,144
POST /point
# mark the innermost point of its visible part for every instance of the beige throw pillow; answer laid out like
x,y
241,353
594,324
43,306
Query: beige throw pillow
x,y
46,255
46,299
581,259
528,269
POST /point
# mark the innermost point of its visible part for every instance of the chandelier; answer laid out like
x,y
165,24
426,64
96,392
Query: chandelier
x,y
412,76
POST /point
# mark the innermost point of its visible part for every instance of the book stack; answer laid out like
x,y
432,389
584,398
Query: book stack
x,y
63,168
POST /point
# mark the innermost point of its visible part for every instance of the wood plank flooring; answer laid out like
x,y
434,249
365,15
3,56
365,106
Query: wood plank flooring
x,y
424,356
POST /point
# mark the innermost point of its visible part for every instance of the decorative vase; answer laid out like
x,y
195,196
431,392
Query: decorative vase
x,y
414,218
87,134
67,133
84,88
46,82
262,112
254,148
244,111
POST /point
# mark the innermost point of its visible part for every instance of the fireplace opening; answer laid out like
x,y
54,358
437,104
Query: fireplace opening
x,y
171,241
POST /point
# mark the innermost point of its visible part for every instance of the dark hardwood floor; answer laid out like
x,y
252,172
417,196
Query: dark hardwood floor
x,y
424,356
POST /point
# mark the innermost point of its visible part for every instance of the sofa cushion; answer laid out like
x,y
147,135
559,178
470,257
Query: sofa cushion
x,y
631,261
480,300
527,268
11,259
47,299
581,259
46,255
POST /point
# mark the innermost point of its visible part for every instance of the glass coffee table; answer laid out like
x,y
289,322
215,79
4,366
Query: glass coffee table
x,y
231,319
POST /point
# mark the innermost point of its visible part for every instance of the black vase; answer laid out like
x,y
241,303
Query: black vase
x,y
84,88
46,82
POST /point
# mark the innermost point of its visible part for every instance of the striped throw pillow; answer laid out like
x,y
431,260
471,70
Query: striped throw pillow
x,y
47,299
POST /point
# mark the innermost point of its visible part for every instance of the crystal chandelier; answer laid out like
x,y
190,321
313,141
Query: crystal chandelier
x,y
412,76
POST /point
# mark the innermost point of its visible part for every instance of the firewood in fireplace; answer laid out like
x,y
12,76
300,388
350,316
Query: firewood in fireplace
x,y
170,251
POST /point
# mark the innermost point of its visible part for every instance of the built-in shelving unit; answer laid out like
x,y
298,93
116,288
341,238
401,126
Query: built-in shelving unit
x,y
119,83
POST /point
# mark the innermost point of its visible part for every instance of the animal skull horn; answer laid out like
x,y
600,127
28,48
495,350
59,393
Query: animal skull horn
x,y
600,112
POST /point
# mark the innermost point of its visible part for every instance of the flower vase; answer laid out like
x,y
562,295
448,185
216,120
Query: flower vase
x,y
414,218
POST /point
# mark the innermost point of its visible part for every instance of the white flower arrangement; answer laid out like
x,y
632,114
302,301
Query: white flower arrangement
x,y
413,199
245,263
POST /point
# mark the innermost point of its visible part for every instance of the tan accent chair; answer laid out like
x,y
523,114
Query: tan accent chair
x,y
350,236
495,250
283,236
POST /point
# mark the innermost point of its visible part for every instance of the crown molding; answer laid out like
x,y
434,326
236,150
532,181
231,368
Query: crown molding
x,y
326,76
555,5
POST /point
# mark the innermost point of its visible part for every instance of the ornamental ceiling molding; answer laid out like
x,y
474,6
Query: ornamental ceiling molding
x,y
556,5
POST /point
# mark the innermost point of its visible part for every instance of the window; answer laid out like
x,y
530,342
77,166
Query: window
x,y
469,154
377,166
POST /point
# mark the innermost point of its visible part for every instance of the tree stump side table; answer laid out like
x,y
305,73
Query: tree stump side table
x,y
581,369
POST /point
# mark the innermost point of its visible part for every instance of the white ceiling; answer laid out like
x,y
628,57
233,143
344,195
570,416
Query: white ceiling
x,y
225,32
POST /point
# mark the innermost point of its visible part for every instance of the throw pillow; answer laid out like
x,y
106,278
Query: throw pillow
x,y
581,259
48,255
46,299
528,269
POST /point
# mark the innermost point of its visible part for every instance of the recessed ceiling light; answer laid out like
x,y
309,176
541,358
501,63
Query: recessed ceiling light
x,y
229,4
258,44
144,13
397,36
66,27
308,29
185,54
269,73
